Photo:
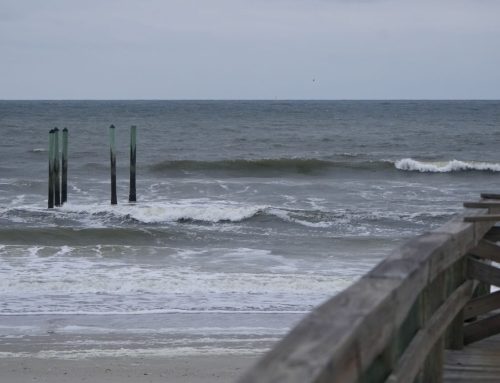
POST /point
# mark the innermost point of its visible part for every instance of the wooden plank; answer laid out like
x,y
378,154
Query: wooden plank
x,y
476,363
490,196
463,237
483,218
483,272
414,356
432,297
493,234
482,305
487,250
482,205
481,329
454,337
481,227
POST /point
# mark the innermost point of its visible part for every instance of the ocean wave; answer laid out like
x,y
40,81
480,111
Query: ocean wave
x,y
267,165
197,211
410,164
181,212
311,166
102,284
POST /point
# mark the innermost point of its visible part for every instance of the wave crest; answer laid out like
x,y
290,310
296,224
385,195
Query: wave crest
x,y
201,212
410,164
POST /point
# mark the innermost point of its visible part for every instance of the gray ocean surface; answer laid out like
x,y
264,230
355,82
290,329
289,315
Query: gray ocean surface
x,y
249,214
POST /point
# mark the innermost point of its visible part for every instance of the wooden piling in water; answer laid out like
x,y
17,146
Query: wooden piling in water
x,y
50,199
64,186
113,163
57,170
133,138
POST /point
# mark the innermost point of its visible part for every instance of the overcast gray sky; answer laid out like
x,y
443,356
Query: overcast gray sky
x,y
249,49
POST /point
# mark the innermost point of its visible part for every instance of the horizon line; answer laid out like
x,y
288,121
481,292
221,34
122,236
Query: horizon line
x,y
249,99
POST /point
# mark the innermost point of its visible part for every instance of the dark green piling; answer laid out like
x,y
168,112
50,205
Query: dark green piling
x,y
64,185
132,197
57,169
113,163
50,200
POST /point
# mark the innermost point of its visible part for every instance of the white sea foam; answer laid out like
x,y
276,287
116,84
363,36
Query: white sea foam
x,y
195,210
63,280
206,210
65,250
202,330
157,311
203,210
95,277
135,352
18,200
410,164
33,251
289,217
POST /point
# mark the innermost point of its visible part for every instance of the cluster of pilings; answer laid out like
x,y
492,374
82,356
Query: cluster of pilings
x,y
58,175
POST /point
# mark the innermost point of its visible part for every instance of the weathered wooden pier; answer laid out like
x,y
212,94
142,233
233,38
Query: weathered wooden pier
x,y
424,314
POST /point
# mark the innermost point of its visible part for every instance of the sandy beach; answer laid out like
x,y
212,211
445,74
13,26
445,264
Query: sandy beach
x,y
81,353
192,369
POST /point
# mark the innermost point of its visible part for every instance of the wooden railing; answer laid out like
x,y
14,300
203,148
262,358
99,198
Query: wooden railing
x,y
395,322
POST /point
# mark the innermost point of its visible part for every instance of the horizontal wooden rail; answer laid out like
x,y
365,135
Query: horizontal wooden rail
x,y
487,250
482,204
390,325
493,235
482,329
485,217
483,272
490,196
482,305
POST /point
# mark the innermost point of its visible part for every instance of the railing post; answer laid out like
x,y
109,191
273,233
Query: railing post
x,y
431,298
454,339
113,163
64,186
133,135
50,199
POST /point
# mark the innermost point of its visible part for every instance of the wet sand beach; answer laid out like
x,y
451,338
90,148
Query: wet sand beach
x,y
189,369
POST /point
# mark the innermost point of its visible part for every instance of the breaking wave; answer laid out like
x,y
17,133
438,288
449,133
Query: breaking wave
x,y
98,220
410,164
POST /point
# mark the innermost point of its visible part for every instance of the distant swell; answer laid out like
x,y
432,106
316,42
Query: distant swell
x,y
410,164
273,165
270,166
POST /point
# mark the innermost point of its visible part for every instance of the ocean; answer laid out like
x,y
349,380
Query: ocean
x,y
249,214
